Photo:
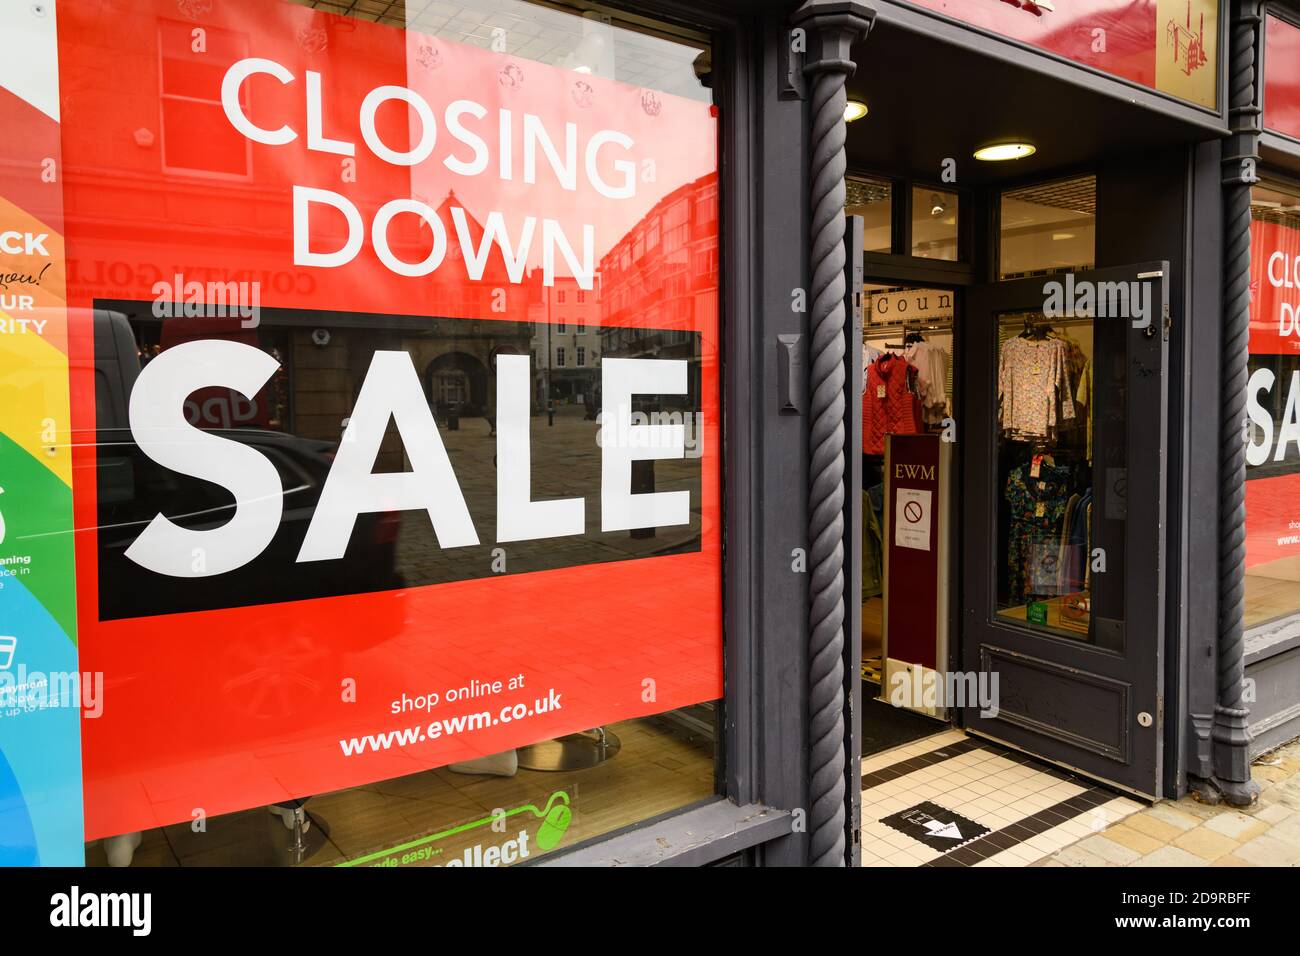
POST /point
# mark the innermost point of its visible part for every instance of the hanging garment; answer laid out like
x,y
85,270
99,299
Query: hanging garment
x,y
1081,538
889,404
873,550
1035,396
931,363
869,354
1036,506
1083,401
1067,582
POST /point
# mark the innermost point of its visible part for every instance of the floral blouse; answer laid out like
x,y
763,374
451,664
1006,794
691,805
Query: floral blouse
x,y
1035,397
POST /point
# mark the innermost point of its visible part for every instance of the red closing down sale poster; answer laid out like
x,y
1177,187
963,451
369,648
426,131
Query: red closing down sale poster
x,y
323,281
1273,392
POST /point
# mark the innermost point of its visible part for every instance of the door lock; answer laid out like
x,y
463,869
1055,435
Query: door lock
x,y
1145,719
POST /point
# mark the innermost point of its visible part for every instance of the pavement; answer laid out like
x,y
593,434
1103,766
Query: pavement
x,y
1190,833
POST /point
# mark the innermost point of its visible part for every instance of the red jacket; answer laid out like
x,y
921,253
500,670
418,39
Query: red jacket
x,y
889,403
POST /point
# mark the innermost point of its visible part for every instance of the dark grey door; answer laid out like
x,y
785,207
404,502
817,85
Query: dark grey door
x,y
1063,451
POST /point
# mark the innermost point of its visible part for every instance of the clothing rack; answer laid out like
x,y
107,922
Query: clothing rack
x,y
1045,322
908,328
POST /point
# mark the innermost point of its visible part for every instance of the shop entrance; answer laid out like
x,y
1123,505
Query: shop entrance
x,y
1013,448
1061,504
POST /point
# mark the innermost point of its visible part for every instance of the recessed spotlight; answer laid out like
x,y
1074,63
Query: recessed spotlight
x,y
1001,152
854,110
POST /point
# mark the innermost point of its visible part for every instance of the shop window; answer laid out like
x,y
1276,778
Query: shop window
x,y
196,137
1058,412
872,199
934,224
1049,227
1273,408
452,389
915,322
564,698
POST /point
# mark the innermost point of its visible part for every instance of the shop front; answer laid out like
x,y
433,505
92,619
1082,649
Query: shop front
x,y
304,473
503,433
1271,599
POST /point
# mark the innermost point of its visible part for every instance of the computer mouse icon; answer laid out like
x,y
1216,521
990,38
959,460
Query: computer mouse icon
x,y
553,828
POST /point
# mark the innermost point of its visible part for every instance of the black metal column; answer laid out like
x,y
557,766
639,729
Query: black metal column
x,y
830,28
1231,732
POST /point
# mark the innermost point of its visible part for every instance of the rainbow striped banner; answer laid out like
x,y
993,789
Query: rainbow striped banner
x,y
40,728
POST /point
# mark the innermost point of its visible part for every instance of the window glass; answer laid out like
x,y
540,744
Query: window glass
x,y
871,199
368,521
1062,475
934,223
1048,227
916,323
1273,391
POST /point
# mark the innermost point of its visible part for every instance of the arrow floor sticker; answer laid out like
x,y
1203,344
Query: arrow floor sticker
x,y
937,827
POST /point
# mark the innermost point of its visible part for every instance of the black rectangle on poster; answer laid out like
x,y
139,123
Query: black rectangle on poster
x,y
298,419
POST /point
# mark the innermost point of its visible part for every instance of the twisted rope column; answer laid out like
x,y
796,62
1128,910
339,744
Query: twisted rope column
x,y
1231,731
835,25
826,476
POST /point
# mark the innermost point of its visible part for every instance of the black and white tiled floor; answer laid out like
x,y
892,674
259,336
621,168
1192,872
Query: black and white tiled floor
x,y
953,800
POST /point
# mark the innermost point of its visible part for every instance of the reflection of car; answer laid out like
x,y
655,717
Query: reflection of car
x,y
132,489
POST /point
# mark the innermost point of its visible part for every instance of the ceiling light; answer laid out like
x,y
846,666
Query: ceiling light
x,y
855,110
937,206
1000,152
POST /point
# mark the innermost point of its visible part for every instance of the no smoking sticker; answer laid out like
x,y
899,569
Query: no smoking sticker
x,y
912,518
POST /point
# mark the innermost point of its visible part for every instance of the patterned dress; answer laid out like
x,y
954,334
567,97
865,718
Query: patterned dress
x,y
1037,508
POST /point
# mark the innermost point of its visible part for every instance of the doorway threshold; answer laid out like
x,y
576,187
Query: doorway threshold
x,y
955,800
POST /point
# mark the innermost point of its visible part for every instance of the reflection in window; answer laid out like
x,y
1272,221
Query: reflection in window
x,y
1048,227
397,591
1061,480
934,224
1272,400
871,199
196,137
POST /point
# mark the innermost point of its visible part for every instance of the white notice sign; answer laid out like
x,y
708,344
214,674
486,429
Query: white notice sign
x,y
912,519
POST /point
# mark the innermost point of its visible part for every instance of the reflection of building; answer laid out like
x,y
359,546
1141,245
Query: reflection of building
x,y
566,338
455,357
661,280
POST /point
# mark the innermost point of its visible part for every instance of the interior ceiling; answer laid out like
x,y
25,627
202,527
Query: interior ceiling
x,y
929,100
